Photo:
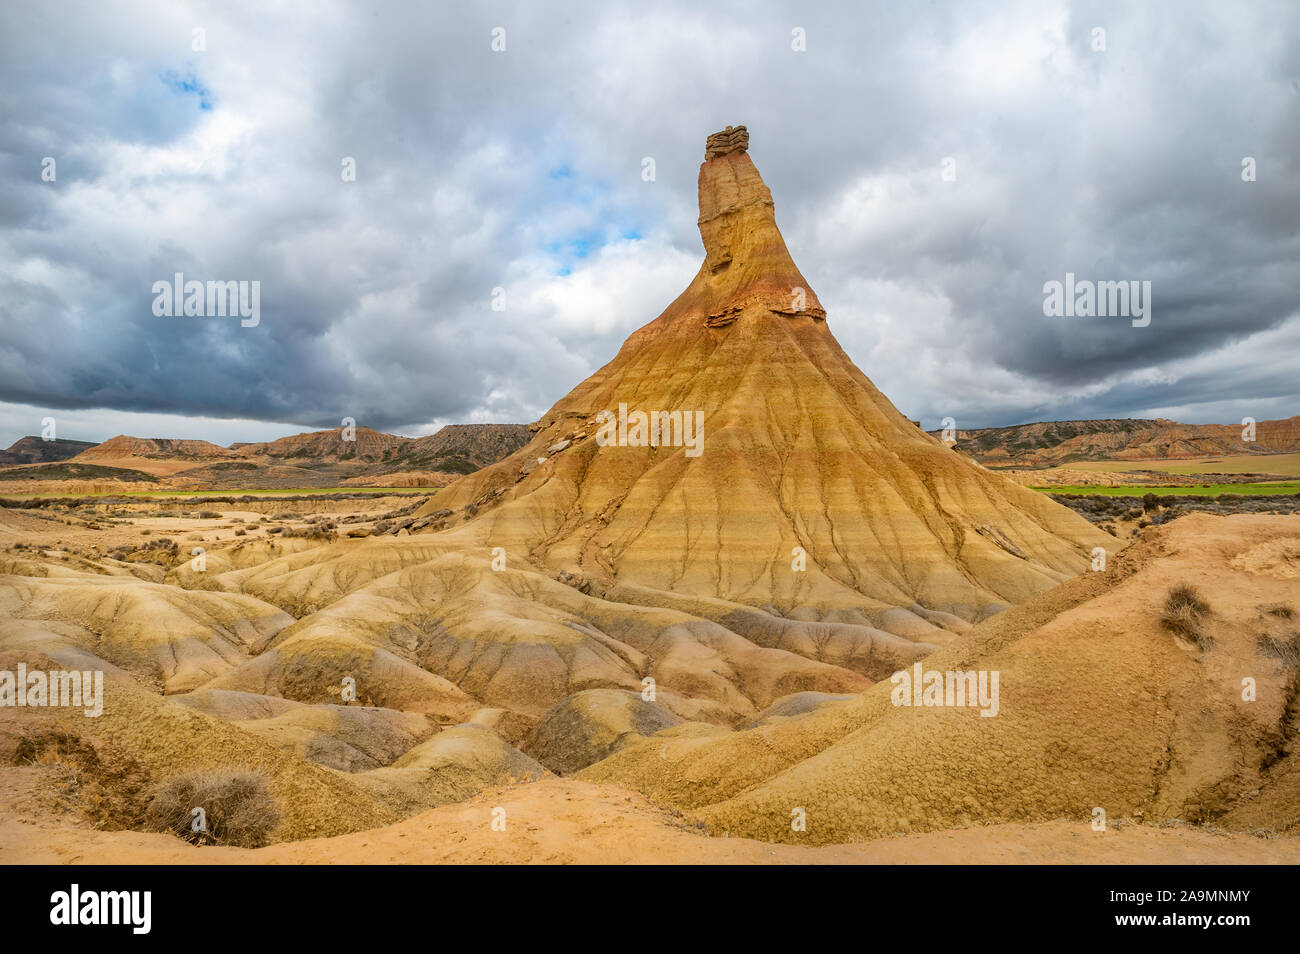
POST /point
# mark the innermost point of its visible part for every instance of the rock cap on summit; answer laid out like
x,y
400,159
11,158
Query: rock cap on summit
x,y
731,139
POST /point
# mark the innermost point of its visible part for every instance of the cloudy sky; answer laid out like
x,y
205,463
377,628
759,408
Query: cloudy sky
x,y
1115,155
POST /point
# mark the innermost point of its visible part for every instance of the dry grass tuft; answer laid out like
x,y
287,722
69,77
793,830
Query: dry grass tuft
x,y
238,808
1184,616
1285,648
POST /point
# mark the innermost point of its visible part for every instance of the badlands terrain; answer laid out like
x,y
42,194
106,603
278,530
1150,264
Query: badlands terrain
x,y
342,457
606,642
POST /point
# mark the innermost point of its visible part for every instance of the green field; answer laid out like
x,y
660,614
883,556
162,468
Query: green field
x,y
188,494
1207,490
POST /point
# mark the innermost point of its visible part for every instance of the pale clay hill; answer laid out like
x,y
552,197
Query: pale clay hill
x,y
631,615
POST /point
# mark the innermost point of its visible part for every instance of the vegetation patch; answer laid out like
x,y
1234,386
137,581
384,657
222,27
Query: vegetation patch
x,y
215,808
1184,616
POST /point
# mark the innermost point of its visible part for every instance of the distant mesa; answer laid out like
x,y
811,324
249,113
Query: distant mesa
x,y
37,450
1055,443
360,456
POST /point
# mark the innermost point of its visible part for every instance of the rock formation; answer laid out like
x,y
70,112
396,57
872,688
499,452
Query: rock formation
x,y
801,455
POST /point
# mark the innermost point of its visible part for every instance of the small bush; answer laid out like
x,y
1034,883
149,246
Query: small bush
x,y
1150,502
308,533
238,806
1286,648
209,515
1280,610
1183,614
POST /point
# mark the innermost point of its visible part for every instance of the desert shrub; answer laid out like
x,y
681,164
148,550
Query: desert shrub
x,y
238,808
1183,616
1150,502
1285,648
1280,610
309,533
241,532
209,515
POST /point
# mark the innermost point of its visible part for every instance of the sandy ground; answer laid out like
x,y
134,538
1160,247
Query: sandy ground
x,y
100,527
564,821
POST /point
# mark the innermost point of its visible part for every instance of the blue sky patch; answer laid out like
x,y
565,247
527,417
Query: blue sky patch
x,y
187,84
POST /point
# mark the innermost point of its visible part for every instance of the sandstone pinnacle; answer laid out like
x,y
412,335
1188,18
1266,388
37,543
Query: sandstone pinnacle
x,y
812,495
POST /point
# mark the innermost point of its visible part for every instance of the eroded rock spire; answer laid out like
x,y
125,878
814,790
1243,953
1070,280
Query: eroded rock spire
x,y
746,261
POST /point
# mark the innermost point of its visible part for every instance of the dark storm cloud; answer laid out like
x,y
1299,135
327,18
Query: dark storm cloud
x,y
522,170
